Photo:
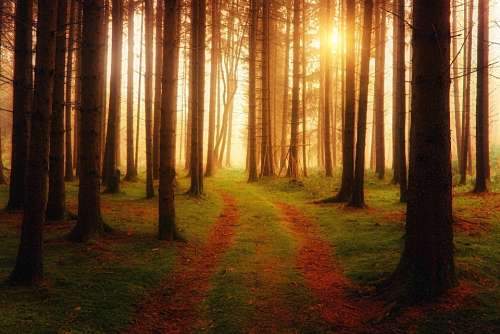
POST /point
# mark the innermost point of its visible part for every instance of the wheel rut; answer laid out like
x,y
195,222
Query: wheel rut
x,y
174,306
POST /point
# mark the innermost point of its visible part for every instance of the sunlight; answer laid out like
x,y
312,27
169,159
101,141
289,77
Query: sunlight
x,y
334,39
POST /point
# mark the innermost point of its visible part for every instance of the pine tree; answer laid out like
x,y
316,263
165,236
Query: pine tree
x,y
29,268
23,91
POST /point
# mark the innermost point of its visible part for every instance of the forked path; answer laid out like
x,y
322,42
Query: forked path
x,y
173,308
343,312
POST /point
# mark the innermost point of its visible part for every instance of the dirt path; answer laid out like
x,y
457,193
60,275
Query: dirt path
x,y
343,312
173,308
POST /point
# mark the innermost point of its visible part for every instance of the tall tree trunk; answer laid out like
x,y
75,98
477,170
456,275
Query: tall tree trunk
x,y
456,82
104,85
29,268
74,9
90,222
466,140
78,93
304,88
111,174
358,194
148,93
214,70
23,90
252,103
380,90
166,223
293,167
284,116
131,173
482,98
2,9
327,105
395,89
267,165
345,191
400,101
158,88
56,205
197,93
426,268
139,92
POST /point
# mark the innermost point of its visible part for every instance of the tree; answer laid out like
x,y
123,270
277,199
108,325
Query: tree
x,y
23,90
158,88
266,151
131,173
111,174
197,93
166,226
358,196
2,8
426,268
304,88
214,70
56,205
90,222
456,82
400,100
379,126
252,117
465,149
284,116
74,10
345,191
293,158
327,91
482,99
29,268
148,92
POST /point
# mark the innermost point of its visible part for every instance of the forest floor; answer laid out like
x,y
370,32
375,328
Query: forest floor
x,y
260,258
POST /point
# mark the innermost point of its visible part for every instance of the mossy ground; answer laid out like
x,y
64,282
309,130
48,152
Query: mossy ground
x,y
95,287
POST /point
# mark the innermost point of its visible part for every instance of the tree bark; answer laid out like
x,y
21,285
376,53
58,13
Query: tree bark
x,y
293,166
327,112
426,268
482,99
29,268
345,191
380,91
304,89
131,173
111,174
400,102
74,9
158,88
90,223
466,140
266,154
166,224
358,194
148,93
197,93
23,90
56,205
284,116
2,9
214,70
456,82
252,103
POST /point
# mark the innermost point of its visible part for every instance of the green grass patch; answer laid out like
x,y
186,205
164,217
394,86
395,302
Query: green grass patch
x,y
94,287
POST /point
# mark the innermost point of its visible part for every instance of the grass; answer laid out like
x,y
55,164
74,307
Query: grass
x,y
94,288
258,272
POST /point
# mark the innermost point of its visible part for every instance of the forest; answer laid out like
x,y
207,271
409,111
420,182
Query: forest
x,y
249,166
